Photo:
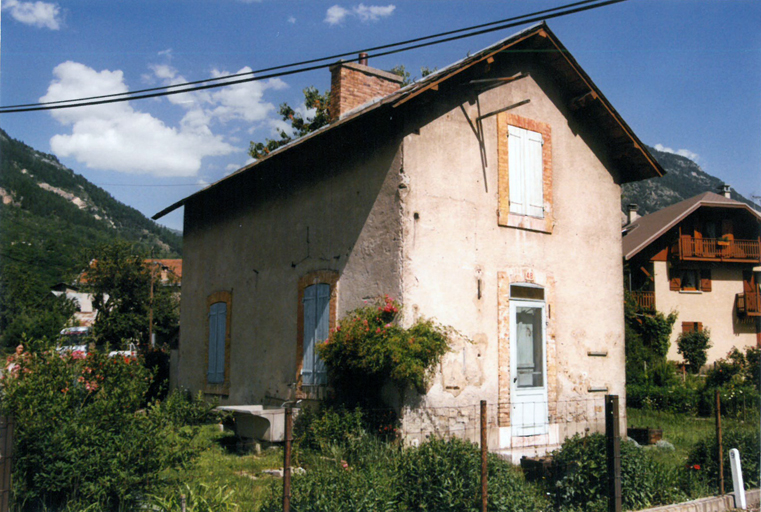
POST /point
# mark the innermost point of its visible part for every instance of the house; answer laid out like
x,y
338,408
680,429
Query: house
x,y
85,314
484,196
700,258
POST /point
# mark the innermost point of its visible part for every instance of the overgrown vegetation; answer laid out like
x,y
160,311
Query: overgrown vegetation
x,y
369,349
84,435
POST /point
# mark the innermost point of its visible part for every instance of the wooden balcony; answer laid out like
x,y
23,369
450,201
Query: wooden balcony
x,y
717,249
645,300
749,304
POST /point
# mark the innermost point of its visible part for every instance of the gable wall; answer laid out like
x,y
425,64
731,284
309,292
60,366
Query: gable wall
x,y
456,241
254,242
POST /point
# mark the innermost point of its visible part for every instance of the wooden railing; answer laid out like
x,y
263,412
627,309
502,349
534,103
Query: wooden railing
x,y
718,249
645,300
749,304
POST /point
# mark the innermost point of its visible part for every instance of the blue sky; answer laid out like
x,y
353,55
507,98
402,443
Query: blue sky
x,y
685,75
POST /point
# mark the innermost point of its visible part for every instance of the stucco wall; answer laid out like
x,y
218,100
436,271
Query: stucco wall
x,y
452,240
714,309
330,211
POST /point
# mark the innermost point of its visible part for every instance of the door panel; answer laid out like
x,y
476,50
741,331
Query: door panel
x,y
528,368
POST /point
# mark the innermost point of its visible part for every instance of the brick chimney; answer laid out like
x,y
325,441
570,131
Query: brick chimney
x,y
631,213
353,84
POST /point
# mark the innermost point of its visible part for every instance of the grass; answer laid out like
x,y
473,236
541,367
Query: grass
x,y
239,475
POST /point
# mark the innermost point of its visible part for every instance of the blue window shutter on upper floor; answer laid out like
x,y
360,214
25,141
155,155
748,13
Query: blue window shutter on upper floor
x,y
322,330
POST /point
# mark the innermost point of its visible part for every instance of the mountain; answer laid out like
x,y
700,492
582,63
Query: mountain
x,y
684,179
51,221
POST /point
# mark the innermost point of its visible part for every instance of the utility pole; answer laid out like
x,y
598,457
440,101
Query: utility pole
x,y
150,304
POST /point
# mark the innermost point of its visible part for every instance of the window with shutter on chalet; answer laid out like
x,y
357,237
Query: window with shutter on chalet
x,y
525,172
692,326
688,280
316,304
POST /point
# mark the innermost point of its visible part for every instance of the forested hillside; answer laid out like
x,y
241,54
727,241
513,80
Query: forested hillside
x,y
684,179
51,221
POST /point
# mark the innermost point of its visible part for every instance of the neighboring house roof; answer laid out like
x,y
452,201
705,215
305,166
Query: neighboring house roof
x,y
629,153
647,229
172,265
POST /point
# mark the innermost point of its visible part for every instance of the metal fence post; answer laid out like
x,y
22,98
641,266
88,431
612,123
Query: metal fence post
x,y
719,443
613,444
287,459
484,459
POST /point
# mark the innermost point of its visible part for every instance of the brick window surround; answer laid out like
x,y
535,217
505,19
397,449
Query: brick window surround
x,y
505,218
329,277
225,296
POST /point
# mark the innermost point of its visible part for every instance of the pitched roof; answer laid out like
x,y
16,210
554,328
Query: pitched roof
x,y
625,149
647,229
172,265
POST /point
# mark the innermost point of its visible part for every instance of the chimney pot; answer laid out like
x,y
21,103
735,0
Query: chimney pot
x,y
632,214
363,58
726,189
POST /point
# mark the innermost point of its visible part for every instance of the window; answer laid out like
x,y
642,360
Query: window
x,y
218,342
316,316
316,320
692,326
525,173
690,279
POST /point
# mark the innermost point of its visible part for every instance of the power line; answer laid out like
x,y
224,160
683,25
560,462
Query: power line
x,y
302,63
165,92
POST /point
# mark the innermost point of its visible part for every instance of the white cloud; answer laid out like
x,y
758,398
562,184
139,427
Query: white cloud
x,y
291,20
117,137
37,14
365,13
335,15
373,12
681,152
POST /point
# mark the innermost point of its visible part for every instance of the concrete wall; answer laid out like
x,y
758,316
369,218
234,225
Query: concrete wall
x,y
714,309
336,209
452,240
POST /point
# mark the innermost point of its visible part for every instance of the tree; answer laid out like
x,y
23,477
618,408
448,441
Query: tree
x,y
120,283
318,115
300,124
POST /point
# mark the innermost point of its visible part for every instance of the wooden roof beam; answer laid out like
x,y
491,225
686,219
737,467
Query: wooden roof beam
x,y
584,100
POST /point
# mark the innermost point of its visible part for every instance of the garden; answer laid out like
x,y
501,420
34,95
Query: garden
x,y
102,433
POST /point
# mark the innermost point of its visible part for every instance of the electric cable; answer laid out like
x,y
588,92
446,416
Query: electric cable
x,y
294,64
120,97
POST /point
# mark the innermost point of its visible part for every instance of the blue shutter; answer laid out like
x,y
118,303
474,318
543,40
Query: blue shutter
x,y
307,364
534,182
516,166
322,330
217,338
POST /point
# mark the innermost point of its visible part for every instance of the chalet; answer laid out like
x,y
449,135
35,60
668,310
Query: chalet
x,y
484,196
700,258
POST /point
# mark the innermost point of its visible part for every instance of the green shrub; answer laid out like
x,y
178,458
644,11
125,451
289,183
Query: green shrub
x,y
583,485
445,475
318,429
366,481
674,398
437,476
693,346
705,455
199,497
81,437
369,349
